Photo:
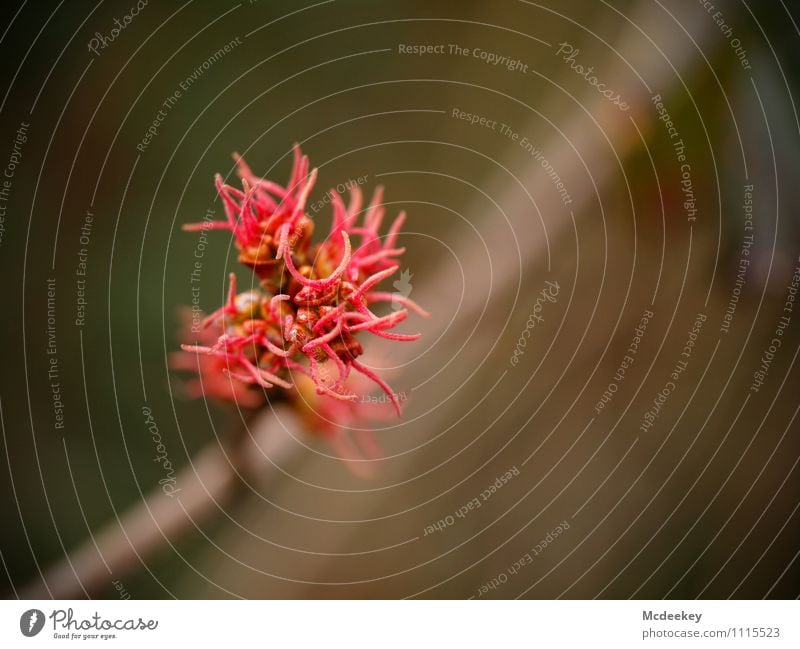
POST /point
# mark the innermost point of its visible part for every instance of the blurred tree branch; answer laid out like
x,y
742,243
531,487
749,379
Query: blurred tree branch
x,y
154,524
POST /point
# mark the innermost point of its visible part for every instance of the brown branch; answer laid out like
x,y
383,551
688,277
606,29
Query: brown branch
x,y
206,484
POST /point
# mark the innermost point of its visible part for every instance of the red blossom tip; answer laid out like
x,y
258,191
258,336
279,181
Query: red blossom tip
x,y
303,319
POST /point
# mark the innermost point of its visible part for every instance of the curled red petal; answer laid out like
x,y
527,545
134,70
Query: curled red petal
x,y
383,322
318,283
408,303
383,385
374,279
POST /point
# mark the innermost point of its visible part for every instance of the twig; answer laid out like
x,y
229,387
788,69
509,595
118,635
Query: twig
x,y
152,525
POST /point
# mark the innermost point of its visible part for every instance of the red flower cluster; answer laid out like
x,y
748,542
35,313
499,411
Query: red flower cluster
x,y
313,299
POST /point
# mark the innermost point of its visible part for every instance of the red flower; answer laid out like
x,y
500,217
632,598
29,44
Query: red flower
x,y
211,381
314,299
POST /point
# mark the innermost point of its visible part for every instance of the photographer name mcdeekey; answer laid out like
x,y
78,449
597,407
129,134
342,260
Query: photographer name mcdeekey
x,y
683,616
67,621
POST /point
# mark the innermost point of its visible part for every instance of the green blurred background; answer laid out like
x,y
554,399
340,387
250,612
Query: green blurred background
x,y
684,510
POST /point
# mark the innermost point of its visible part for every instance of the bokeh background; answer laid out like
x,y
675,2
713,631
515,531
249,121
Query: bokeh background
x,y
701,504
